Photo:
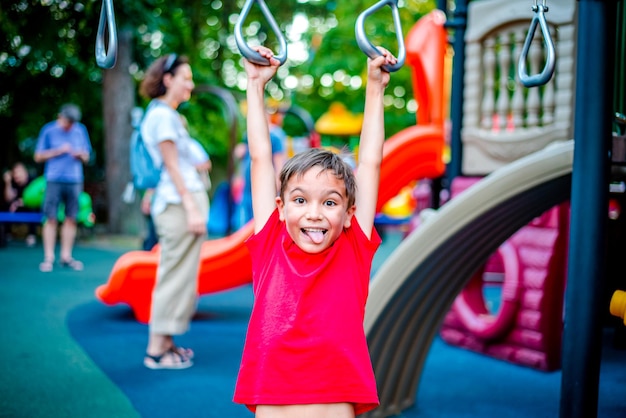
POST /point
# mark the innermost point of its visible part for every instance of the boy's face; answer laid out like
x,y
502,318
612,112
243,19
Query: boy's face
x,y
315,209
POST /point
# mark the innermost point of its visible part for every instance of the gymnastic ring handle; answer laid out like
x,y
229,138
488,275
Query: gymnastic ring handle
x,y
106,59
250,54
367,47
548,70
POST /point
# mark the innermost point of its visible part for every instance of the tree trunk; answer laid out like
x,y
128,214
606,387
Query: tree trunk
x,y
118,100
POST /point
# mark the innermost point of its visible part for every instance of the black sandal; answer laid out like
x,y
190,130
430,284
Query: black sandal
x,y
156,362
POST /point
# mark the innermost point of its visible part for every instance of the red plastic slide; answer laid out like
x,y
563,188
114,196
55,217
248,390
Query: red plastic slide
x,y
417,151
411,154
224,263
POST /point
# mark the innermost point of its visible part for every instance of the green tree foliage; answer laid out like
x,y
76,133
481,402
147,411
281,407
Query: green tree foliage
x,y
43,63
324,63
335,56
47,59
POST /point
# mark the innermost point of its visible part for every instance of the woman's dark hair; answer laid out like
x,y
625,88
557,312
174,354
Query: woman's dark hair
x,y
326,160
152,84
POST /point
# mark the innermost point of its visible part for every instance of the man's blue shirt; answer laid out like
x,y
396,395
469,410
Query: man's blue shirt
x,y
64,168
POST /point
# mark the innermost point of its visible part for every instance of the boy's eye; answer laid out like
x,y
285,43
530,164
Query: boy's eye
x,y
299,200
330,203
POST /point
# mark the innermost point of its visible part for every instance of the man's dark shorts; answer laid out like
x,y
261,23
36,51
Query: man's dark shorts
x,y
66,193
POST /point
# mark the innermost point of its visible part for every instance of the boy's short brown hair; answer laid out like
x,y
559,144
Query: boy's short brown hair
x,y
326,160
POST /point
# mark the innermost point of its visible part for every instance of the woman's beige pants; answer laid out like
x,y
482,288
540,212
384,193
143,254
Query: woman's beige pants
x,y
174,298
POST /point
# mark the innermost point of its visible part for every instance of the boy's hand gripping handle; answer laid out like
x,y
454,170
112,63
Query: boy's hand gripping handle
x,y
245,49
365,44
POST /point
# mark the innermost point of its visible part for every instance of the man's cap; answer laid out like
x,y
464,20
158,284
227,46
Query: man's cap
x,y
71,112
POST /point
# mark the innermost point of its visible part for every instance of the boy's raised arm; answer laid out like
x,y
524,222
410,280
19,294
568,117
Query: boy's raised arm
x,y
371,142
260,147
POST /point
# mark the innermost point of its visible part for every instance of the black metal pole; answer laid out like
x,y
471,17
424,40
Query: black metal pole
x,y
436,185
442,5
459,24
582,342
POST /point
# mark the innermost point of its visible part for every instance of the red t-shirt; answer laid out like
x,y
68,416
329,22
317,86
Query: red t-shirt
x,y
305,342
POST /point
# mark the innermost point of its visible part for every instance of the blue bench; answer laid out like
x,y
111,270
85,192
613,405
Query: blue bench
x,y
17,218
21,217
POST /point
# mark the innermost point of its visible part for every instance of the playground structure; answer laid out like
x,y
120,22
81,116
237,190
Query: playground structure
x,y
414,290
502,123
526,329
411,295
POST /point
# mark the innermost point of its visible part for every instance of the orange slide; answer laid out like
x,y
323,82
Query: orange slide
x,y
224,263
413,153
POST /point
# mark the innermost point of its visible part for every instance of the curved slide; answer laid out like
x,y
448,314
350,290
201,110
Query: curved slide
x,y
416,286
225,263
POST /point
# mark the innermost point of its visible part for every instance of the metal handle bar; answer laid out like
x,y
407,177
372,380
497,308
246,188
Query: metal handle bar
x,y
365,44
246,51
548,70
106,59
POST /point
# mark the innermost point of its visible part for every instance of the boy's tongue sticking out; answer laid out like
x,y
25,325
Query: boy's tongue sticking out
x,y
316,235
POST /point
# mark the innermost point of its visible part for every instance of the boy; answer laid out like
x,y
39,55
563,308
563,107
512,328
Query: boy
x,y
305,353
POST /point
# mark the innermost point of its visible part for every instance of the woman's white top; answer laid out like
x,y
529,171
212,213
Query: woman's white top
x,y
162,123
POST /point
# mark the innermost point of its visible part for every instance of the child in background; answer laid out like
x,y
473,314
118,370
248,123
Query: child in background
x,y
306,353
15,182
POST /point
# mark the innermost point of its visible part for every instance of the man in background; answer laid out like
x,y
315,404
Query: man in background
x,y
64,147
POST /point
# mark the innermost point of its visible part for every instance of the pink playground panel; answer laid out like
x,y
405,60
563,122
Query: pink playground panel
x,y
528,325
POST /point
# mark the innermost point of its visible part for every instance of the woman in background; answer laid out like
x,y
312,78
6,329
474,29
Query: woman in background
x,y
179,209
